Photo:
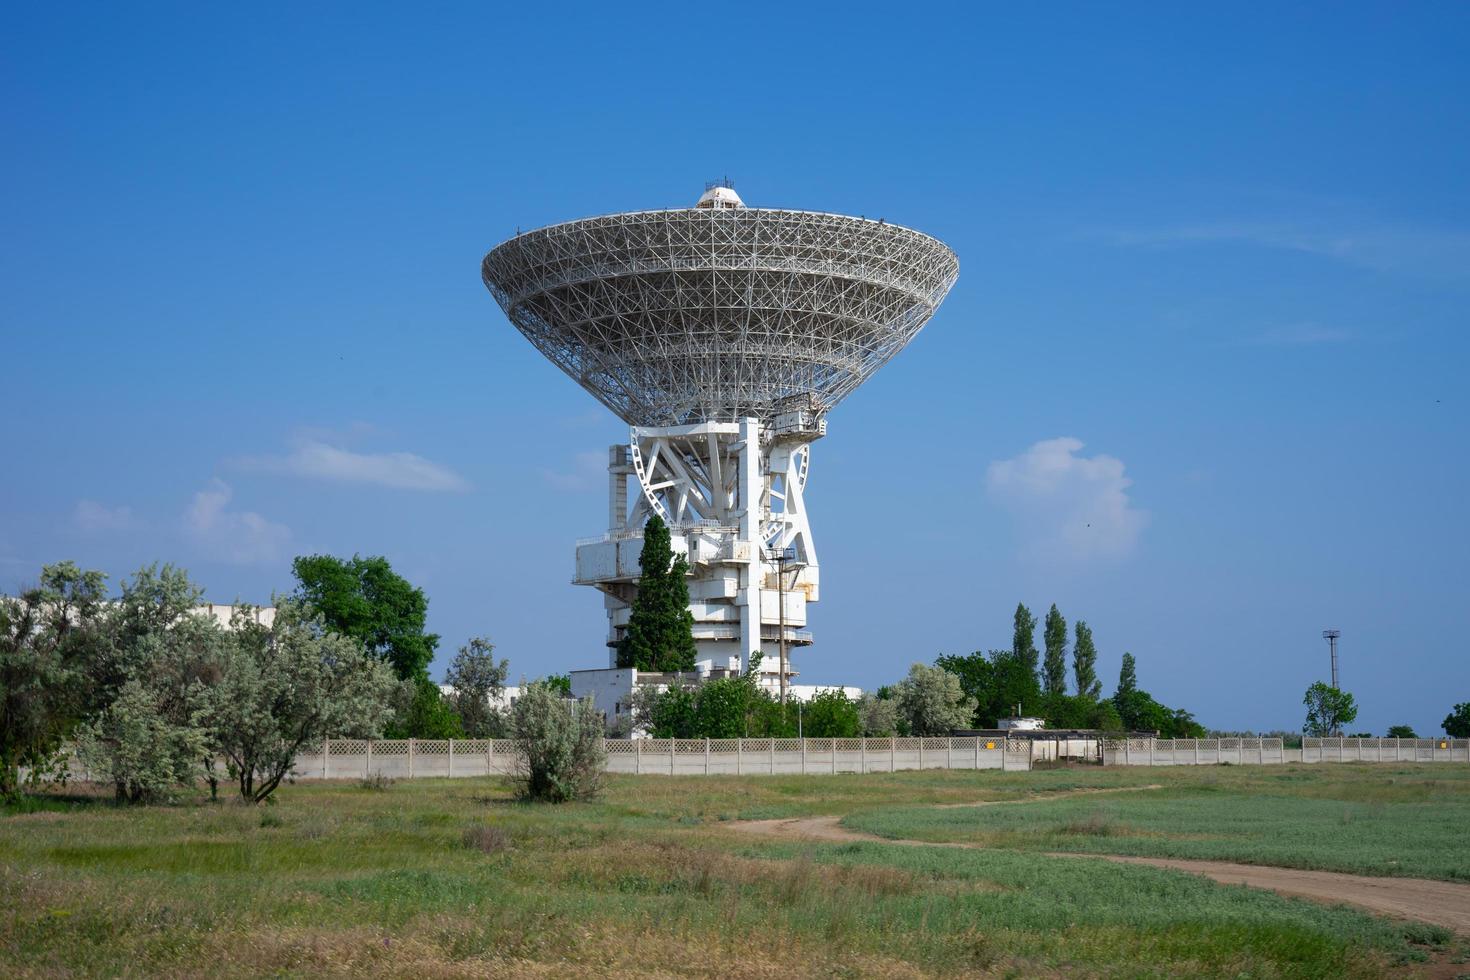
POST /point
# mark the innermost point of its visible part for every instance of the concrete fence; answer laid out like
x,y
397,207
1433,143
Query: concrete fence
x,y
411,758
343,758
1265,751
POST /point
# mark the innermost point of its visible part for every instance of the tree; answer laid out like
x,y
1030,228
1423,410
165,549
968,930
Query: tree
x,y
830,714
48,636
142,751
1328,709
149,691
932,702
722,706
1016,686
1000,684
1023,637
1105,717
1054,669
1457,722
1084,663
560,752
660,633
769,718
1128,676
287,685
1139,712
670,713
726,707
365,599
420,710
1401,731
877,715
1183,725
479,683
977,679
560,683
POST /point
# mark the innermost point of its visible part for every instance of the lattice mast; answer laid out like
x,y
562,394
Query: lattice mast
x,y
1331,635
722,335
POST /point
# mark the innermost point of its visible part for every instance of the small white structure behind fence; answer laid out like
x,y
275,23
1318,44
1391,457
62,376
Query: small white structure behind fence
x,y
340,758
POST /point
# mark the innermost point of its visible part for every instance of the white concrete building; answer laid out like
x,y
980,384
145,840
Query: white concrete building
x,y
223,614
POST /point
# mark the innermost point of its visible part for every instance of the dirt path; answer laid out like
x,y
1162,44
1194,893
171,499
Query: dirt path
x,y
1441,903
831,829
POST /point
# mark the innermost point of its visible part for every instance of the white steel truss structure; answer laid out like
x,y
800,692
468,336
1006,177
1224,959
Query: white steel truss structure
x,y
723,335
717,314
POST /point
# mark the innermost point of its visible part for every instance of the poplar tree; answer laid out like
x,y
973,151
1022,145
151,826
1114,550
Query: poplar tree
x,y
1055,666
660,634
1084,663
1128,676
1023,638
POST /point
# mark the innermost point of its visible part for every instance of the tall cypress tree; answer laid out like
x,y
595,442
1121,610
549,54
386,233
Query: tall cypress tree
x,y
1023,638
1084,663
660,634
1054,668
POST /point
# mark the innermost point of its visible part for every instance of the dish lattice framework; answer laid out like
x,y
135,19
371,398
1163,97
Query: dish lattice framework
x,y
681,316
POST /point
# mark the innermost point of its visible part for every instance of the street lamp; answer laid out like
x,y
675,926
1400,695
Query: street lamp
x,y
781,556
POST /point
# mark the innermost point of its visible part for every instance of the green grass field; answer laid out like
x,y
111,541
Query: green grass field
x,y
1401,820
451,878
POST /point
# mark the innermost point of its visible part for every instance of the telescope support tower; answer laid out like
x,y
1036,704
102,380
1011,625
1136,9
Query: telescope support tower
x,y
731,493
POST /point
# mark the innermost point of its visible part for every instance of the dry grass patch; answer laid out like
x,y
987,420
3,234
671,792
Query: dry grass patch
x,y
485,838
468,947
711,872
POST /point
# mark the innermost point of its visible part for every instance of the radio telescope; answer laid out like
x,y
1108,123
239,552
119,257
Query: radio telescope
x,y
723,335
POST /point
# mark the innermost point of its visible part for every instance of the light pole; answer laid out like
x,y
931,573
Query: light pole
x,y
781,556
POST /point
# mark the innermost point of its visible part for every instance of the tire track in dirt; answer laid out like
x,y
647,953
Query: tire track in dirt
x,y
1441,903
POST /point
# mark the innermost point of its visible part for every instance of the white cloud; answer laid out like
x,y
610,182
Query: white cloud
x,y
588,471
1069,508
239,537
320,460
92,516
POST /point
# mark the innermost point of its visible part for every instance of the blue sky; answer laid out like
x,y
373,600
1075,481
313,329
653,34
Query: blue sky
x,y
1200,382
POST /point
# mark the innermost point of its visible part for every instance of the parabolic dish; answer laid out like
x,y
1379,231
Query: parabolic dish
x,y
719,313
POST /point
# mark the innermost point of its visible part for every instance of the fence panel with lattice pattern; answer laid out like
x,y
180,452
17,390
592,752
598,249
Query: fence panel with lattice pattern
x,y
413,758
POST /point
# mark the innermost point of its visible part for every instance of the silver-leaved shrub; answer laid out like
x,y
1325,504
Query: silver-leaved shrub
x,y
560,754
